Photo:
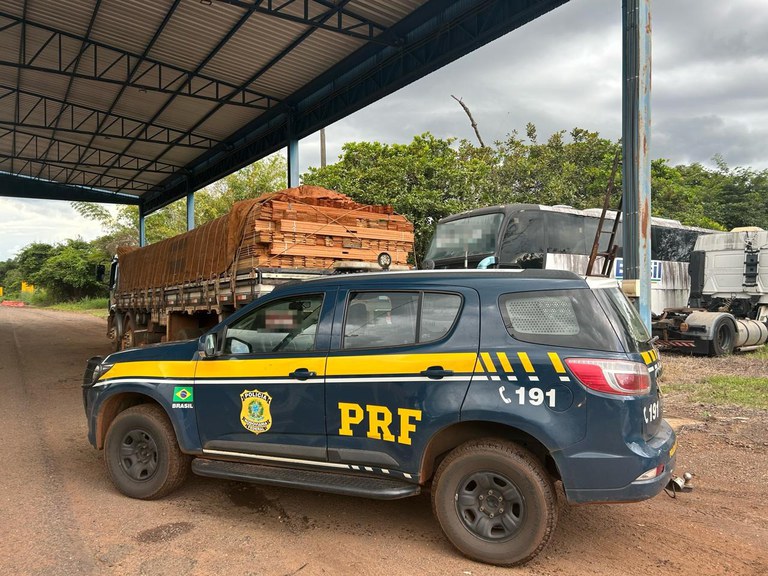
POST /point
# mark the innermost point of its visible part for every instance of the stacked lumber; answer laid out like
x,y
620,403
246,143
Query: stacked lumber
x,y
304,227
311,227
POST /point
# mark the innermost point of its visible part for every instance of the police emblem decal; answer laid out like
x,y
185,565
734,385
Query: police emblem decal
x,y
254,414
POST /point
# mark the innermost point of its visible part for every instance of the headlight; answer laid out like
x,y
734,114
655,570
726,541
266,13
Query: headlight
x,y
94,370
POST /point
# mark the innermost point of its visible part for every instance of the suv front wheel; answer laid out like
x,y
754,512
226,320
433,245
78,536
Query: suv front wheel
x,y
495,502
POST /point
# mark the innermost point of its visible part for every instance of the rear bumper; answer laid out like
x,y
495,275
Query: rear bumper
x,y
613,476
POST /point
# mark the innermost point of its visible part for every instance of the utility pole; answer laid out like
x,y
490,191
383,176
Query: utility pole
x,y
322,147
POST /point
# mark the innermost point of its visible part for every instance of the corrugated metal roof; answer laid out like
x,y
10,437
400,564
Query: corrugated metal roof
x,y
130,96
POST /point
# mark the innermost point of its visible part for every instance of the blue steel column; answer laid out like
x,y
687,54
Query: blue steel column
x,y
190,210
142,228
636,140
293,156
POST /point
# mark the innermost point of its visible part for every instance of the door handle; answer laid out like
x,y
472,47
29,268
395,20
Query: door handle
x,y
302,374
436,372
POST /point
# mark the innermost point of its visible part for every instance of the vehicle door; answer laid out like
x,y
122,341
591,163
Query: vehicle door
x,y
398,370
262,396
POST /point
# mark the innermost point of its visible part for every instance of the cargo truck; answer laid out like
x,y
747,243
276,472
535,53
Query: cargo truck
x,y
178,288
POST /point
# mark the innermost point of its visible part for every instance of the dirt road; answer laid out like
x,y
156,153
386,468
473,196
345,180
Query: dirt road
x,y
59,514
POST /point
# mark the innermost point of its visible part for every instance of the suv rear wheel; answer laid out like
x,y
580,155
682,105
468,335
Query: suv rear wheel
x,y
495,502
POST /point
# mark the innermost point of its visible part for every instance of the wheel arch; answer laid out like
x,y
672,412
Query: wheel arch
x,y
457,434
116,404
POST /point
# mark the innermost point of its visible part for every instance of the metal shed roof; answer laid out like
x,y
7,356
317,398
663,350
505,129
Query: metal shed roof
x,y
143,102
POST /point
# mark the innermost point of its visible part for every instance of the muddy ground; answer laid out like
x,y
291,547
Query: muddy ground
x,y
59,514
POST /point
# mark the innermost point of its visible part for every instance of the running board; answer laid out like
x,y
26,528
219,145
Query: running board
x,y
332,482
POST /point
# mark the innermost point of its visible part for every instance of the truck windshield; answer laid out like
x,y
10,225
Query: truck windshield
x,y
471,236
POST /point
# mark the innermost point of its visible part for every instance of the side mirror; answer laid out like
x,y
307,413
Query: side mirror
x,y
209,345
100,271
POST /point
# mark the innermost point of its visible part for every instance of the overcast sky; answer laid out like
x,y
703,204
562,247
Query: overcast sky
x,y
710,95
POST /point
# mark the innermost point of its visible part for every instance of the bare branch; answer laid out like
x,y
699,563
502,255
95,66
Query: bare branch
x,y
471,119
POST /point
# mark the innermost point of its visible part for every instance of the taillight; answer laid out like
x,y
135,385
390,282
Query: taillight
x,y
611,376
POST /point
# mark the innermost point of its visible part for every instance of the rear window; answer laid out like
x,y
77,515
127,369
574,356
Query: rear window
x,y
571,318
634,334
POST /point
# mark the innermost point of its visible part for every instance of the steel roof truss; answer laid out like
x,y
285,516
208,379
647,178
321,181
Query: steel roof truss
x,y
346,22
113,65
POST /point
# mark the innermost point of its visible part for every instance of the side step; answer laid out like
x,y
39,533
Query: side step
x,y
332,482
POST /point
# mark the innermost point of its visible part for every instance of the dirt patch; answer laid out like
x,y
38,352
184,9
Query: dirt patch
x,y
61,515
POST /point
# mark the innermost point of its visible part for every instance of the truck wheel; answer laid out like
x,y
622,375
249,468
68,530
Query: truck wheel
x,y
142,455
126,338
723,338
495,502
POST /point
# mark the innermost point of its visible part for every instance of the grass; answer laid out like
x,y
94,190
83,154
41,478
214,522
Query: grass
x,y
726,390
94,306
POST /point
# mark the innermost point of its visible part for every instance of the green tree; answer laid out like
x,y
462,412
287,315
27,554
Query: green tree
x,y
31,258
70,272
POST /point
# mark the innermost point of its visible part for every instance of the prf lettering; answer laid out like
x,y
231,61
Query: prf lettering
x,y
379,421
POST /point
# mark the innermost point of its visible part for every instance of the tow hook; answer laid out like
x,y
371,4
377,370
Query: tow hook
x,y
677,484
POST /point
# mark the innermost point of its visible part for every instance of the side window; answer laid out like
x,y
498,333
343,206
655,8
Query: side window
x,y
438,313
384,319
287,325
571,318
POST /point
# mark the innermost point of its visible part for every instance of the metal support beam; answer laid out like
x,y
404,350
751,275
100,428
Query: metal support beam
x,y
190,211
21,187
636,140
293,156
142,227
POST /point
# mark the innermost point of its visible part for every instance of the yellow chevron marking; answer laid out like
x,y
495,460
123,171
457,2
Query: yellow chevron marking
x,y
168,369
526,362
555,359
488,362
506,366
646,357
655,355
383,364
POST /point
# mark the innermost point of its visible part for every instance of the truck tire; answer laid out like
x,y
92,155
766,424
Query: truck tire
x,y
142,455
127,339
495,502
723,338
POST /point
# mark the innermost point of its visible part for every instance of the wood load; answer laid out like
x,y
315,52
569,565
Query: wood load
x,y
307,227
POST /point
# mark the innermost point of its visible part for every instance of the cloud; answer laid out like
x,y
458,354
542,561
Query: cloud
x,y
23,221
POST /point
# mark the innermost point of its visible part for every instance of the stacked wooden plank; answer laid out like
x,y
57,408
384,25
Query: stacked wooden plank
x,y
311,227
304,227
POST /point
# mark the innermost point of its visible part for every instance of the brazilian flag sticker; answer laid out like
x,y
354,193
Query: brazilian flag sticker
x,y
183,394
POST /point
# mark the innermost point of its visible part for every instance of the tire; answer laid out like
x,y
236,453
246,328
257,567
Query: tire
x,y
142,455
495,502
126,338
723,338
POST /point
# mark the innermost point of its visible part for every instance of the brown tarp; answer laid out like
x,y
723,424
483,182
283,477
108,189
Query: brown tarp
x,y
321,227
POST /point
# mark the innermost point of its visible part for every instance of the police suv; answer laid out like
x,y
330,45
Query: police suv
x,y
484,386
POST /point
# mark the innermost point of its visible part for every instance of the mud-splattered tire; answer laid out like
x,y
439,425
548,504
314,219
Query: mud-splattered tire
x,y
495,502
142,454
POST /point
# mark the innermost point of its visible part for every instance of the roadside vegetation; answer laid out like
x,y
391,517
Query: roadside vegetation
x,y
424,180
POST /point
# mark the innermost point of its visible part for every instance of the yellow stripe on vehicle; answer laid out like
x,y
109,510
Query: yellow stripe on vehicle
x,y
646,357
258,368
488,362
505,365
166,369
654,355
526,362
383,364
556,362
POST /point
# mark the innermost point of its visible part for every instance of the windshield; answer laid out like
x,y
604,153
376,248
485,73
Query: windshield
x,y
471,236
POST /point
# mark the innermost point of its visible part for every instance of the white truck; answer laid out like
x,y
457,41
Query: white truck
x,y
728,304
